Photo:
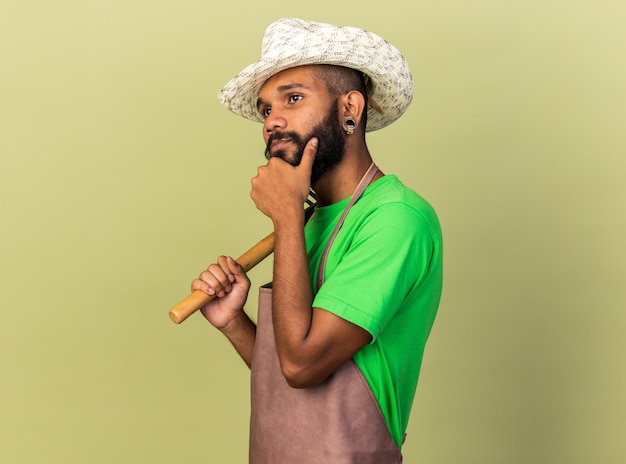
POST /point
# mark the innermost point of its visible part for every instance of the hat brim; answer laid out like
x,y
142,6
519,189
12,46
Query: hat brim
x,y
391,79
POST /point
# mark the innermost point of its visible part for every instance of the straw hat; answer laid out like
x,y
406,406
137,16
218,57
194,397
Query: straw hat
x,y
291,42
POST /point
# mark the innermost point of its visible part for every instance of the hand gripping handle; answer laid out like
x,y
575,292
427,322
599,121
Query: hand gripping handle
x,y
197,299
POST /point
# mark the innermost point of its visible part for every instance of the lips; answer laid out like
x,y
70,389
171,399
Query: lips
x,y
279,144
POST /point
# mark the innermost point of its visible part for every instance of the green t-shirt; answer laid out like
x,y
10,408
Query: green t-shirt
x,y
384,274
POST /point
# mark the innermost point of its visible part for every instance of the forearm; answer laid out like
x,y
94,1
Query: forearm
x,y
311,342
241,332
292,295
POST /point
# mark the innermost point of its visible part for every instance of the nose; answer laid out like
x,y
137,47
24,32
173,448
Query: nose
x,y
273,122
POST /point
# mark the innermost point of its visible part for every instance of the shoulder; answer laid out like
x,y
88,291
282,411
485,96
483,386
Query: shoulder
x,y
391,204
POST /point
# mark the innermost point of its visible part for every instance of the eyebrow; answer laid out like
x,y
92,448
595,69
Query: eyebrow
x,y
281,89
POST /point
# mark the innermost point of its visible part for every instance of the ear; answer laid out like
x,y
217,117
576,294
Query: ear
x,y
352,105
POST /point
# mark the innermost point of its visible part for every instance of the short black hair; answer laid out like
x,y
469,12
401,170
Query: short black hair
x,y
341,80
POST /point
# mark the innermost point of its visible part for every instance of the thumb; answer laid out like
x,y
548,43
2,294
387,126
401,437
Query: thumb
x,y
238,272
234,267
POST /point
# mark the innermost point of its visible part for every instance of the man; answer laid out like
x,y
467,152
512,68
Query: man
x,y
336,351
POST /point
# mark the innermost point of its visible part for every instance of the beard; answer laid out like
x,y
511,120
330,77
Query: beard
x,y
330,149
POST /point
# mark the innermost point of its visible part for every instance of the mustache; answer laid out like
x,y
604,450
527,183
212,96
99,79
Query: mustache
x,y
286,135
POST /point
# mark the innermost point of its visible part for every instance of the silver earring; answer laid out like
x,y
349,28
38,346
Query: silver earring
x,y
349,125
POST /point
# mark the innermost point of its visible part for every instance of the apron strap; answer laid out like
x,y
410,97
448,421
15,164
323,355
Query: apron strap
x,y
363,183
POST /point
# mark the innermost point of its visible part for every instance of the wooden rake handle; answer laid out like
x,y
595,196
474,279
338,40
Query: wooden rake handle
x,y
197,299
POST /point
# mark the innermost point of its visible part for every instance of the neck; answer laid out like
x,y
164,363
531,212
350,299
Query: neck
x,y
340,182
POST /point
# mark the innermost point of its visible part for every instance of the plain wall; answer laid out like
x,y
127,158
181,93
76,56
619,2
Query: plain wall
x,y
122,177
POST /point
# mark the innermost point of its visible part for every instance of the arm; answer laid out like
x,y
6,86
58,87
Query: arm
x,y
311,343
230,284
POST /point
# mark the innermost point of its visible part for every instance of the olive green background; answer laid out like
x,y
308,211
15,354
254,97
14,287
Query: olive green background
x,y
121,178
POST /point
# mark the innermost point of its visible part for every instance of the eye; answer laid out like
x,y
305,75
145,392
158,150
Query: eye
x,y
295,98
265,111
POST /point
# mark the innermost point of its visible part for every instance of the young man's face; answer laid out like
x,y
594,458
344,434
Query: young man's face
x,y
296,106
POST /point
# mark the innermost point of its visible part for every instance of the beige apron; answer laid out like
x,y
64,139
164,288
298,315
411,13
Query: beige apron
x,y
337,422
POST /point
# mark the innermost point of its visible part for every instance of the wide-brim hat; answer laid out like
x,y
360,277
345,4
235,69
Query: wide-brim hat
x,y
291,42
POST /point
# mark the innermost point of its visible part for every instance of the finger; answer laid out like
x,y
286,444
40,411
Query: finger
x,y
223,285
215,281
218,271
308,156
199,284
225,263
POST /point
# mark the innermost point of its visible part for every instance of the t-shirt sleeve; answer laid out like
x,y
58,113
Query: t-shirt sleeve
x,y
389,254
